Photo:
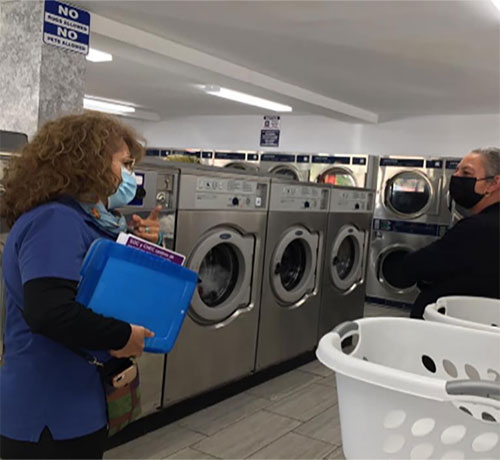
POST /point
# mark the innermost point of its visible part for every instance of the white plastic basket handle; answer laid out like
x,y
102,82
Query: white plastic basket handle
x,y
478,398
345,328
480,388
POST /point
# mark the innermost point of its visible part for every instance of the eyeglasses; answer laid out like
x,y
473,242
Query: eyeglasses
x,y
129,164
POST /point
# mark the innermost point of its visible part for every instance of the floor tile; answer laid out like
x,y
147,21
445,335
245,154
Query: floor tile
x,y
294,445
212,419
316,368
324,427
336,454
247,436
330,381
372,310
284,385
191,454
157,444
306,403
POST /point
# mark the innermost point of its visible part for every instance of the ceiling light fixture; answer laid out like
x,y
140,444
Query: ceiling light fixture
x,y
98,56
246,98
100,105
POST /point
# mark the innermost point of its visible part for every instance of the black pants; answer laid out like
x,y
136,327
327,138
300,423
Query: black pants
x,y
88,446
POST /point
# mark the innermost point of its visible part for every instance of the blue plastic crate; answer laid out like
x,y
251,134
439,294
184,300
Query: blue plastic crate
x,y
140,288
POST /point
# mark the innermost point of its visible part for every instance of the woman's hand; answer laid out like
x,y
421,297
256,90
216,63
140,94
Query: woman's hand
x,y
149,228
135,344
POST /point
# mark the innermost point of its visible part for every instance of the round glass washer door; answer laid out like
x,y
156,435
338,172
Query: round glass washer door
x,y
286,172
390,268
408,193
294,264
346,258
337,176
224,262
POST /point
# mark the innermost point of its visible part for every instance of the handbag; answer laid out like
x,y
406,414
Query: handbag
x,y
120,379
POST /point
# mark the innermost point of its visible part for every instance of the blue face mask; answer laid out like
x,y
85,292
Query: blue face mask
x,y
126,191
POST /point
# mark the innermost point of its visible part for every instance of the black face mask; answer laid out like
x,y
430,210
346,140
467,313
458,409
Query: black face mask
x,y
462,191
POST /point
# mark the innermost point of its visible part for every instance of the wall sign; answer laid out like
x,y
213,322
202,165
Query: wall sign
x,y
271,122
66,27
270,132
270,138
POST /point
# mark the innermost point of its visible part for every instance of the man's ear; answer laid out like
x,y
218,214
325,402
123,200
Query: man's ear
x,y
494,185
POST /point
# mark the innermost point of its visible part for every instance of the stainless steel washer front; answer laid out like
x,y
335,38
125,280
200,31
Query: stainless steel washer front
x,y
344,282
221,224
292,271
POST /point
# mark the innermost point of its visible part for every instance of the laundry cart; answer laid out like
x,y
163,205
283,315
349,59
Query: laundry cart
x,y
415,389
476,312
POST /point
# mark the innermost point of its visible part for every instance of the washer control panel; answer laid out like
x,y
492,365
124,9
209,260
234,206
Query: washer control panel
x,y
351,200
229,193
296,197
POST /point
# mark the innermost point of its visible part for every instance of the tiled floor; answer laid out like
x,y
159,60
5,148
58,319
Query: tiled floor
x,y
293,416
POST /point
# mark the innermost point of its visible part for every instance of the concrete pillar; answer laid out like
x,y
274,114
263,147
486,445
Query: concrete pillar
x,y
38,82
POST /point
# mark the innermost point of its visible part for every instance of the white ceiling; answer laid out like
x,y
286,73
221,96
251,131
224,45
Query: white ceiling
x,y
393,58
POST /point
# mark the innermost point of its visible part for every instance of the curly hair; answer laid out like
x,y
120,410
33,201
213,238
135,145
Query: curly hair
x,y
69,156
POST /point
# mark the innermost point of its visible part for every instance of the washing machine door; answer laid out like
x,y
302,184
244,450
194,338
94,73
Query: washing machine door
x,y
408,194
390,268
224,262
293,265
286,171
347,258
337,176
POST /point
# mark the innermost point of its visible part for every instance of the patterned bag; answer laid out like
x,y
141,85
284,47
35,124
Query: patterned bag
x,y
124,405
123,398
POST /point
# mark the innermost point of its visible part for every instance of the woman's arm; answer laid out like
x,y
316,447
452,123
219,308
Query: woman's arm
x,y
50,309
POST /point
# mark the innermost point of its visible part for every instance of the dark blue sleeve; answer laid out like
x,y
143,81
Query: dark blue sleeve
x,y
53,246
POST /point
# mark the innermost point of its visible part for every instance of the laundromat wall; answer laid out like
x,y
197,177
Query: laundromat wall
x,y
440,135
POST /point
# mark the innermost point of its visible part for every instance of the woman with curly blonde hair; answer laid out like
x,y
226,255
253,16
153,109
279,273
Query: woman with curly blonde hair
x,y
59,197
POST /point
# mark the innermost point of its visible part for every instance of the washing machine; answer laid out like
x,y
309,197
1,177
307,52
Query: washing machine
x,y
290,165
241,160
343,287
341,169
410,189
391,241
220,227
290,298
157,184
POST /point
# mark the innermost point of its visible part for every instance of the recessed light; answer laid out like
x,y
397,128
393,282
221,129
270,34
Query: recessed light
x,y
98,56
246,98
91,103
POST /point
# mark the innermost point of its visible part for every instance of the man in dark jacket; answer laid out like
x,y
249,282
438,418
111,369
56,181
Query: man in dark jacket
x,y
466,260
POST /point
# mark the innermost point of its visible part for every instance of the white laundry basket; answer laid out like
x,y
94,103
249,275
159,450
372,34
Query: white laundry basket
x,y
415,389
475,312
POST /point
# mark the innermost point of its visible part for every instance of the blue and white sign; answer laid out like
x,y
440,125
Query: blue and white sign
x,y
66,27
269,137
270,132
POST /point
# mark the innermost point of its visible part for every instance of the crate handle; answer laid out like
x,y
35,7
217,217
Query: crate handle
x,y
345,328
474,388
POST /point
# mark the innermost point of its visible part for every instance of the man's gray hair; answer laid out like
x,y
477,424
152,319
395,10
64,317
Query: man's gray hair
x,y
491,158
